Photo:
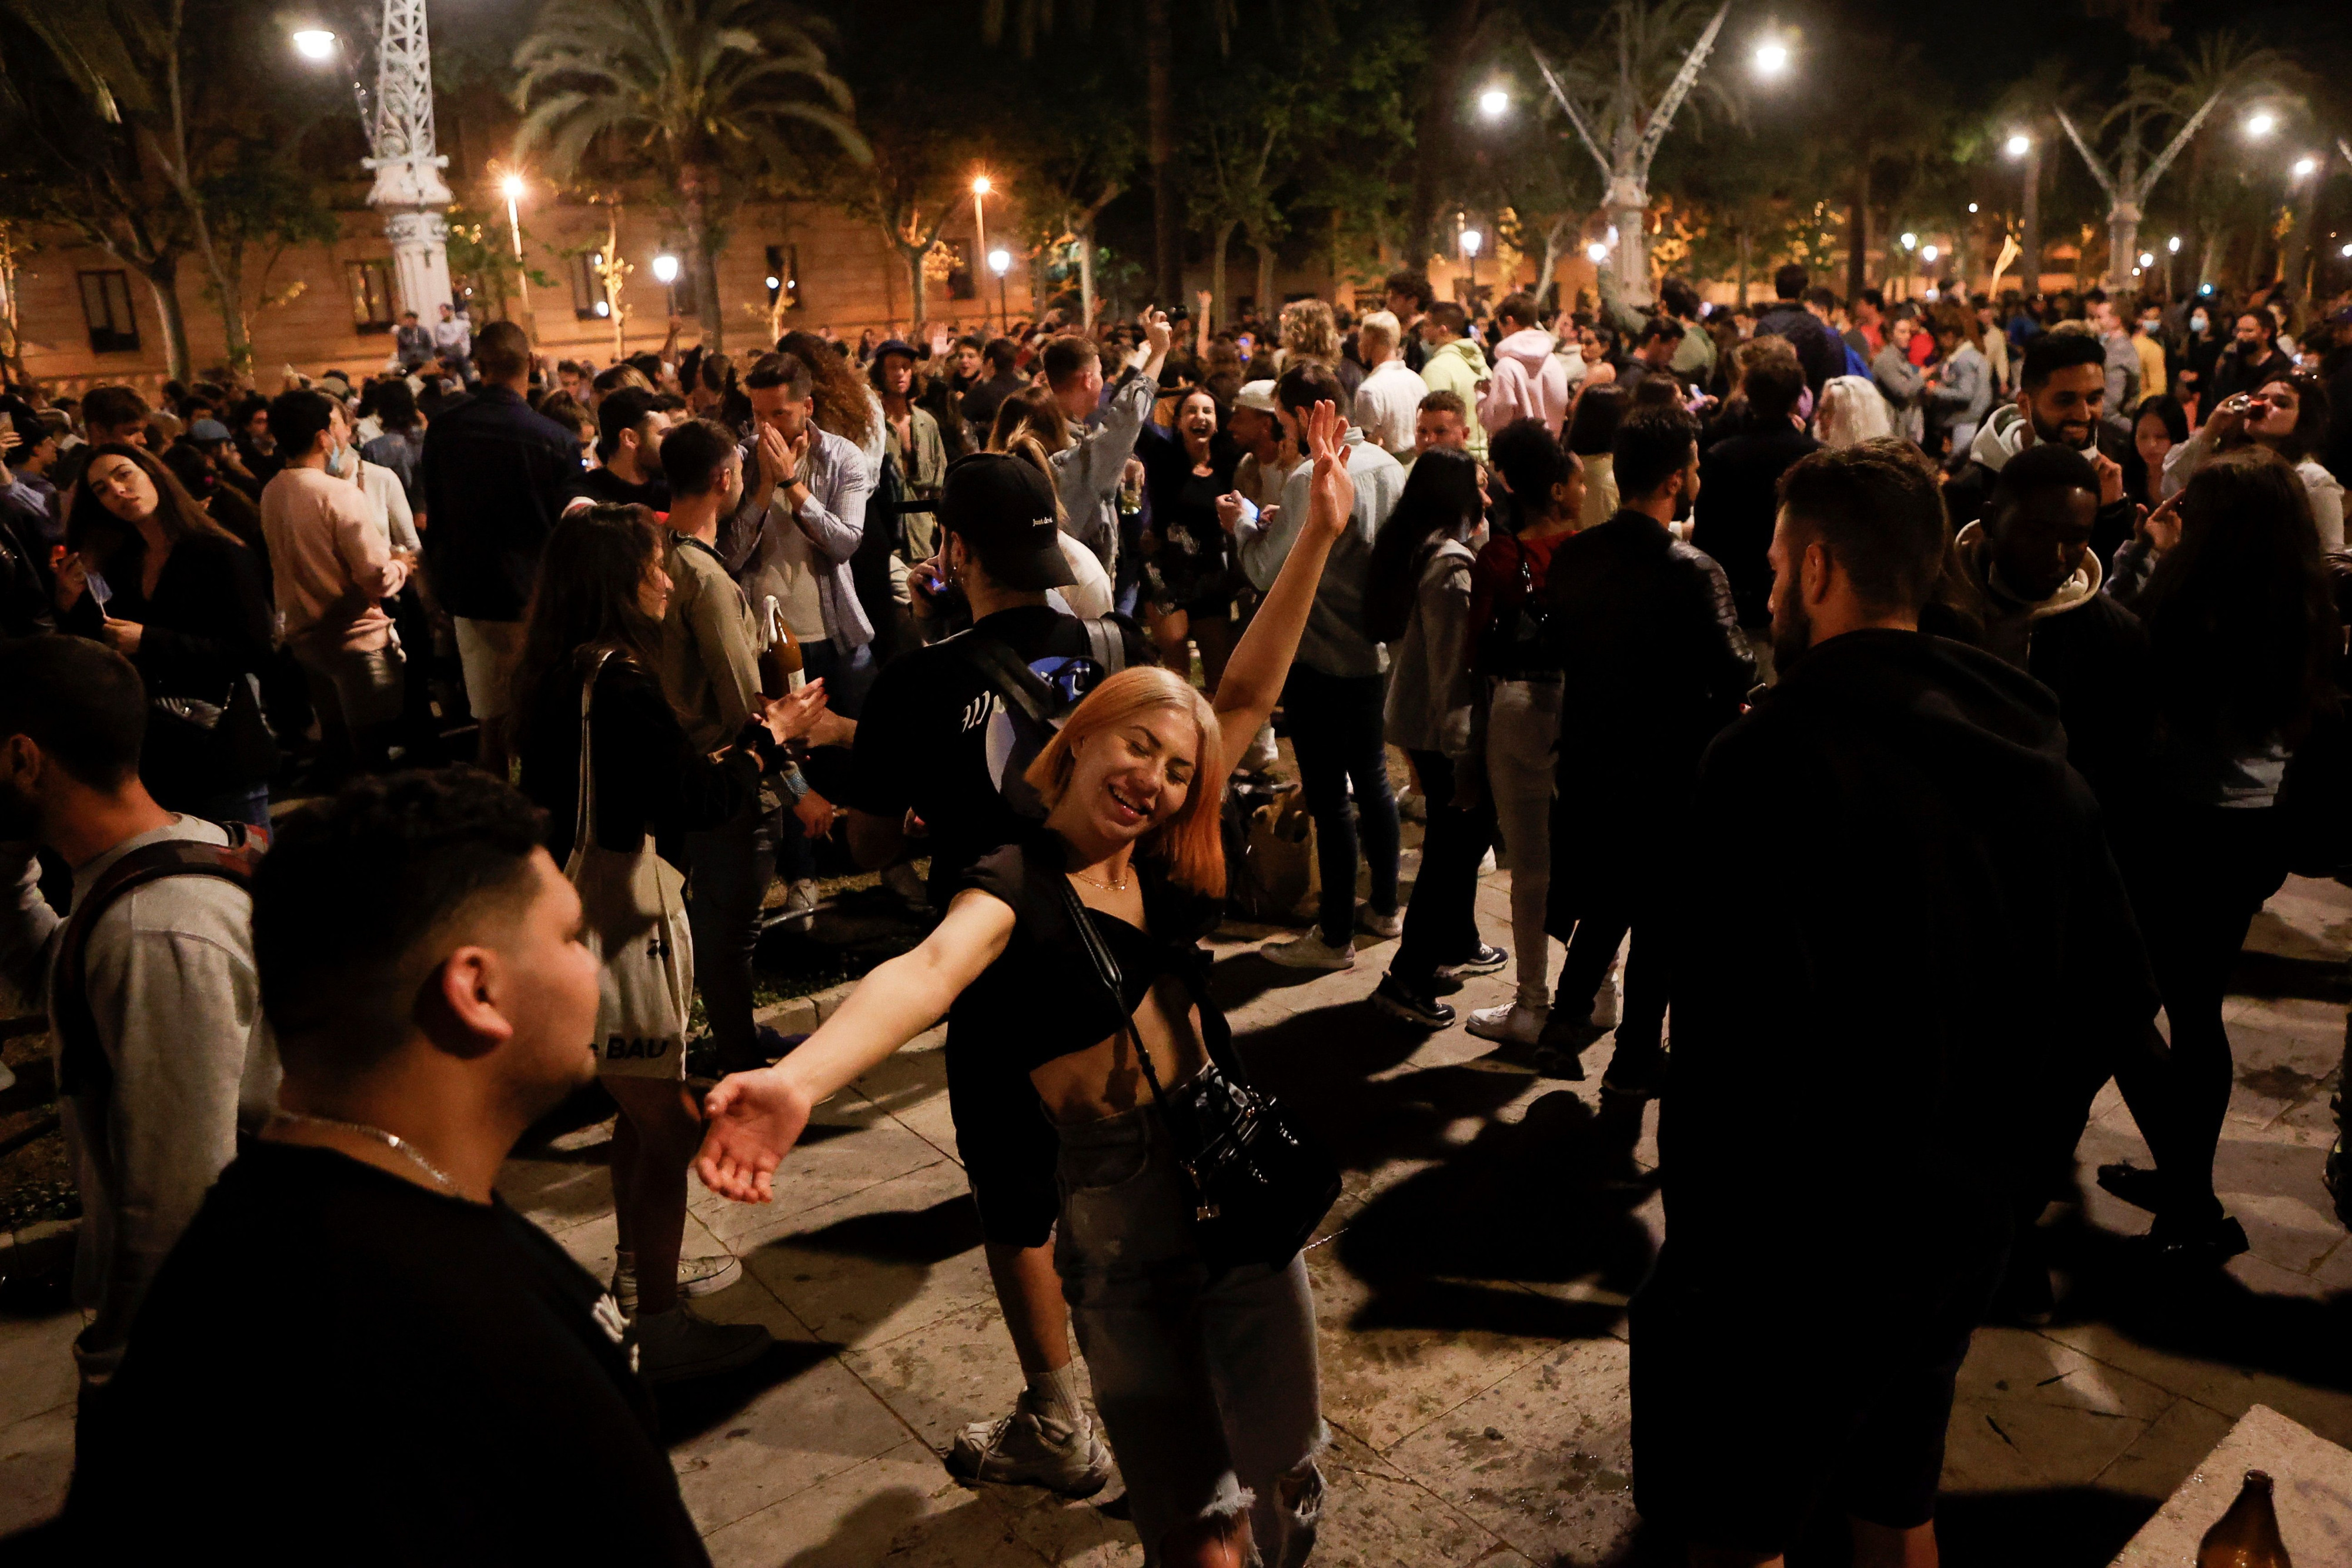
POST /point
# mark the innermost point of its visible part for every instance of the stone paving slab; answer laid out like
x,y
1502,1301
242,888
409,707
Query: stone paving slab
x,y
1470,1297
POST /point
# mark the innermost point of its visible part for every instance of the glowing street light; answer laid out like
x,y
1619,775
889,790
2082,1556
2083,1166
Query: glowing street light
x,y
1494,103
664,269
1771,59
512,187
1471,239
999,261
2261,123
1596,253
2346,251
1973,206
315,44
2147,259
981,186
2173,244
1910,240
2018,145
2305,166
1929,254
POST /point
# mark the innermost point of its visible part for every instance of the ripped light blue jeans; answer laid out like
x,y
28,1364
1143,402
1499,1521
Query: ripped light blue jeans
x,y
1207,1386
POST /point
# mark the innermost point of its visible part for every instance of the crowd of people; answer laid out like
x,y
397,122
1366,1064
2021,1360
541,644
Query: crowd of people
x,y
1925,694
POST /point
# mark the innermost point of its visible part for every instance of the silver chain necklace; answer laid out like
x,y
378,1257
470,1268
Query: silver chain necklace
x,y
393,1141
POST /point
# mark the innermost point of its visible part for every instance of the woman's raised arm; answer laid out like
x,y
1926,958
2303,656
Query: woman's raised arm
x,y
753,1119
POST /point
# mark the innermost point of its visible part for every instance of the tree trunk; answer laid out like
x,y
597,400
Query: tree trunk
x,y
2123,247
1547,286
1221,304
1744,245
1629,210
695,180
1433,130
1266,301
2209,257
2030,219
228,289
2292,263
1085,278
1857,234
1160,92
917,303
163,281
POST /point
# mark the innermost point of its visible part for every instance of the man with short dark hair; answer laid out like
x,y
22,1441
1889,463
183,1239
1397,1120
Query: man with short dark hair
x,y
412,343
452,342
2061,393
2123,372
1334,694
332,566
915,441
1089,471
1645,633
1408,296
935,743
629,428
418,1320
495,477
1654,347
1818,349
1740,479
1887,770
2251,361
111,416
1693,358
1867,333
160,1051
984,398
1528,382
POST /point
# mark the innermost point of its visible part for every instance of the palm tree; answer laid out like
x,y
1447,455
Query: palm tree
x,y
703,90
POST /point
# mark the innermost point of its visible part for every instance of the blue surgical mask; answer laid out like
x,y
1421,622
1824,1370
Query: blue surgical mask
x,y
2197,322
341,461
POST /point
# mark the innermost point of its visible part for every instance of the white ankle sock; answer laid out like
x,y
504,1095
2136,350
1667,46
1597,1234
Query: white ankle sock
x,y
1055,1395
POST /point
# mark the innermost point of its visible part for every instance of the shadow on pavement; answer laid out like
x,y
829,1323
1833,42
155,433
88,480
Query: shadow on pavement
x,y
688,1410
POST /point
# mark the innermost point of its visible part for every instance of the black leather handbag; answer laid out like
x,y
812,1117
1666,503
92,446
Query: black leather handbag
x,y
1259,1186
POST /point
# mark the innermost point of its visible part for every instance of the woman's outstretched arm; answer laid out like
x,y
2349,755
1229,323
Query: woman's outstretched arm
x,y
753,1119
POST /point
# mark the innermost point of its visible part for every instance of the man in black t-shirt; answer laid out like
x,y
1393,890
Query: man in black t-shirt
x,y
357,1352
628,443
935,743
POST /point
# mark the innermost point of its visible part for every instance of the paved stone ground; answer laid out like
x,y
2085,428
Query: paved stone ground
x,y
1470,1288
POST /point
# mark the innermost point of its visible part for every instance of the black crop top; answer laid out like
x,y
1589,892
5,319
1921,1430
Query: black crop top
x,y
1042,1000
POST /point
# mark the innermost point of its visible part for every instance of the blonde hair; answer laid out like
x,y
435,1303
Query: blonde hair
x,y
1380,327
1309,329
1189,842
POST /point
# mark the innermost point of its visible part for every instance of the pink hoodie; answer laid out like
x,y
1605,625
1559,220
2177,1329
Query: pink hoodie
x,y
1529,382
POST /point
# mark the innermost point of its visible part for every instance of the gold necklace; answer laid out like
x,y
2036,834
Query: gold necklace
x,y
1106,886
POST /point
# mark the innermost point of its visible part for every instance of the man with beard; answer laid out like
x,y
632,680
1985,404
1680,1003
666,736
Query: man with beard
x,y
1947,946
1645,630
2253,361
2062,394
153,1002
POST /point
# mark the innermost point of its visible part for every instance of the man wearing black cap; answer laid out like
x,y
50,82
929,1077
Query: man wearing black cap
x,y
932,725
628,443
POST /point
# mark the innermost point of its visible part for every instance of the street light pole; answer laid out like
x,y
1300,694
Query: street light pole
x,y
409,190
511,186
1001,262
981,186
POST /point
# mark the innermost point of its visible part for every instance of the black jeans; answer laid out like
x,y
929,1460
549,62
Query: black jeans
x,y
1642,1022
729,869
1441,925
1335,727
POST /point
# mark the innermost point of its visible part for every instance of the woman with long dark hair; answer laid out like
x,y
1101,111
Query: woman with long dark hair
x,y
2243,632
2159,425
1084,932
154,577
1591,431
593,630
1189,567
1417,601
2287,415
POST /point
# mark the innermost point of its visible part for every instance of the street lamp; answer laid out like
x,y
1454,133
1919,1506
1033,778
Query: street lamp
x,y
2305,166
315,44
1596,253
665,274
511,187
999,261
1771,59
2018,145
2261,123
1973,206
1910,240
1929,254
1494,103
1470,242
981,186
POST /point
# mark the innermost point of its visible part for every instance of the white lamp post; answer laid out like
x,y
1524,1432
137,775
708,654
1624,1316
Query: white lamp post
x,y
999,261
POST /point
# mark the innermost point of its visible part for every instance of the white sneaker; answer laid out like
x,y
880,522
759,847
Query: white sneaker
x,y
696,1277
1262,756
1372,922
1608,1006
800,902
1511,1024
1310,952
675,1345
1028,1448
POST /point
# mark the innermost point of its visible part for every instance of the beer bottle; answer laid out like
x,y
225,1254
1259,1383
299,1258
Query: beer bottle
x,y
781,667
2248,1535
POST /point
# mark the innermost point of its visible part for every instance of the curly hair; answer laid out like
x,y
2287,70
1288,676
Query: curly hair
x,y
844,405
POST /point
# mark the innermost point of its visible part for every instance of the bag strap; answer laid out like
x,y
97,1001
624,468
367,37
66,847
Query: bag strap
x,y
81,1061
1011,679
1105,968
1106,645
583,824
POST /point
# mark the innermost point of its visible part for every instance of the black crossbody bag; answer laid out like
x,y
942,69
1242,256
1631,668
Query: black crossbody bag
x,y
1259,1186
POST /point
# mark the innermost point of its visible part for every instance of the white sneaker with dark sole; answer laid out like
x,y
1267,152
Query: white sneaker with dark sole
x,y
1309,952
1030,1450
1485,961
1510,1024
1372,922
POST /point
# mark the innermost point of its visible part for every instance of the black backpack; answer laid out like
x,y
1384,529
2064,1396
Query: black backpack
x,y
1033,698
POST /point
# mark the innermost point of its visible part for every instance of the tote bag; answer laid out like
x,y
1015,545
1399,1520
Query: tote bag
x,y
633,911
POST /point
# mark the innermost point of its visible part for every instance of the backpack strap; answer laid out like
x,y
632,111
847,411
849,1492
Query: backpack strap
x,y
1011,679
81,1059
1106,645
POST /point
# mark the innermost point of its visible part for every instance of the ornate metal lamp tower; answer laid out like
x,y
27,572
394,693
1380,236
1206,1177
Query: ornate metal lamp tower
x,y
409,191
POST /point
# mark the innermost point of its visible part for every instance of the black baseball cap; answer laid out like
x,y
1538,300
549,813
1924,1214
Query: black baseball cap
x,y
1003,509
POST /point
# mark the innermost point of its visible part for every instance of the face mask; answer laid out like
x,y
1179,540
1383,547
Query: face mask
x,y
2197,322
342,462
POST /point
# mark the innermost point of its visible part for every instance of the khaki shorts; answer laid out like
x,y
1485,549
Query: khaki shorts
x,y
618,1058
488,651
